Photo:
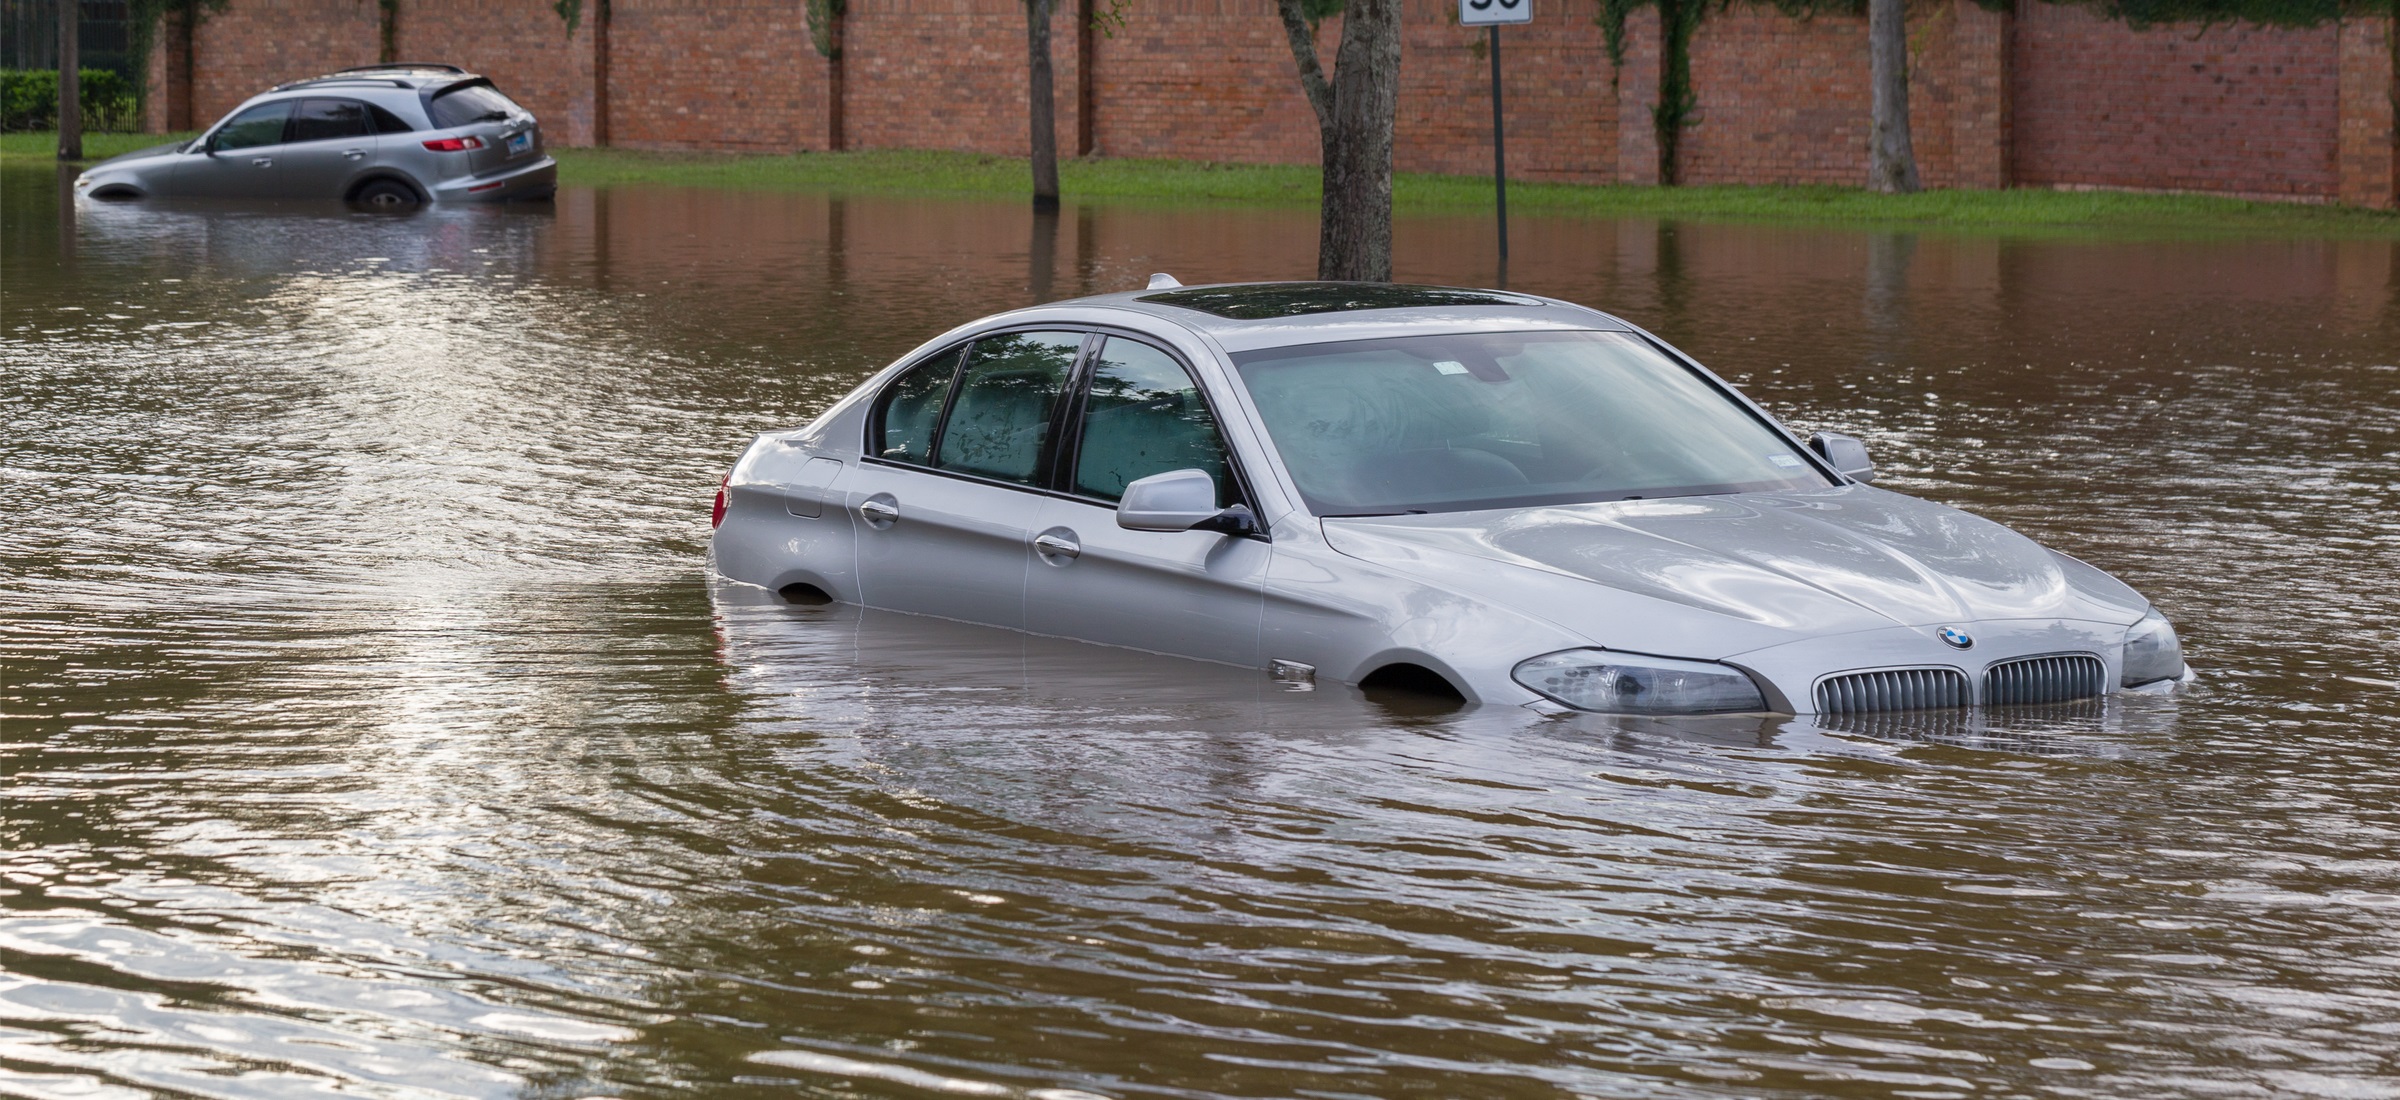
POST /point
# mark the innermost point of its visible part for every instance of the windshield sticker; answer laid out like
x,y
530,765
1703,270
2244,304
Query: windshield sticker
x,y
1788,462
1450,366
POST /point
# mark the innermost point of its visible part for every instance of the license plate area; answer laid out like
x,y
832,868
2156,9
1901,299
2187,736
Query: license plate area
x,y
520,143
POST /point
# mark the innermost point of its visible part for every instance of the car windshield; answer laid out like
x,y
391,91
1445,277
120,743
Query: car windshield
x,y
460,106
1492,420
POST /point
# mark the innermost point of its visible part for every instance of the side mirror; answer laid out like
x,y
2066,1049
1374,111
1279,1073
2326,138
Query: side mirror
x,y
1181,500
1845,453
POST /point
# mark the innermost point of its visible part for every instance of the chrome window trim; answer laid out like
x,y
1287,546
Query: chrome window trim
x,y
1066,422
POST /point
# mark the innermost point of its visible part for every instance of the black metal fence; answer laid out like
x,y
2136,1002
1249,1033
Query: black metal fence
x,y
29,36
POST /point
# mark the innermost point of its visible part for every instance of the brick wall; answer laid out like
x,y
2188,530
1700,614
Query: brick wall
x,y
950,74
2241,109
521,44
2049,96
1561,107
254,45
2369,157
1207,80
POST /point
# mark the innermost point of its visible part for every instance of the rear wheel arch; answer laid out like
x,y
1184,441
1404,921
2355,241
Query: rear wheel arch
x,y
372,188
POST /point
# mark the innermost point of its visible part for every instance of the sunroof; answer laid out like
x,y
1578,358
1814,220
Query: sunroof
x,y
1266,301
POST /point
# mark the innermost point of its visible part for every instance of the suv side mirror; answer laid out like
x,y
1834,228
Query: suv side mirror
x,y
1845,453
1181,500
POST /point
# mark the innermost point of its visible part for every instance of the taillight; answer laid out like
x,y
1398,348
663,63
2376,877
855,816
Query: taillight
x,y
716,518
454,145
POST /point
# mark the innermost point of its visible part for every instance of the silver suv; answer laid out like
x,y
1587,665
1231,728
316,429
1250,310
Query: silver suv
x,y
383,135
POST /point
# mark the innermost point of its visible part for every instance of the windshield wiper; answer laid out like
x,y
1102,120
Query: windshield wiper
x,y
1371,515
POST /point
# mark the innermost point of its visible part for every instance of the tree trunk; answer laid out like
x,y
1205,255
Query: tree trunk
x,y
1041,86
1354,134
70,82
1891,158
1366,96
390,31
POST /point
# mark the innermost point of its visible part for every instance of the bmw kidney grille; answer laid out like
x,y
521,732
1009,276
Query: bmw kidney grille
x,y
2053,679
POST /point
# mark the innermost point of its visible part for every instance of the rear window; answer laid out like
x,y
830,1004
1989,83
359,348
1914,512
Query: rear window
x,y
475,102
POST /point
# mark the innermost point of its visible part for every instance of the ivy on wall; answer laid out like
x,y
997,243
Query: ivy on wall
x,y
143,19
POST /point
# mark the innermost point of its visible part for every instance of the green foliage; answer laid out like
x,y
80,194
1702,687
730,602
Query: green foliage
x,y
29,100
823,16
569,12
2273,13
897,175
1108,16
1318,11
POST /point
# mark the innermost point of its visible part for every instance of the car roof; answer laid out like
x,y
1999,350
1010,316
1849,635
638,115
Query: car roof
x,y
410,75
1248,316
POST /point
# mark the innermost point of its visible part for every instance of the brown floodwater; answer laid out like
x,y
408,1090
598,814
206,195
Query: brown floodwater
x,y
373,728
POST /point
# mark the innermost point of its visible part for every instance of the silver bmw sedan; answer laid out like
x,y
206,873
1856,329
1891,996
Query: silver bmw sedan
x,y
384,135
1499,497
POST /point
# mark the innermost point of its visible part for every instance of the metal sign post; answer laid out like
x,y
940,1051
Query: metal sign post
x,y
1490,14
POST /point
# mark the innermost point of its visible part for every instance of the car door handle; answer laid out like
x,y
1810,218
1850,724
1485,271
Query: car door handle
x,y
354,154
879,511
1051,545
262,162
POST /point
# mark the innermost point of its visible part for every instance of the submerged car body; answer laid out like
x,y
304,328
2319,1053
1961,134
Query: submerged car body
x,y
1516,499
384,135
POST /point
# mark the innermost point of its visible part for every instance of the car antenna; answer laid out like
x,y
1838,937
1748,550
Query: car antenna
x,y
1162,281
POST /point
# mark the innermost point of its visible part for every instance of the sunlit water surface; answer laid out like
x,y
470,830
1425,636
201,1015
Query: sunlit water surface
x,y
372,727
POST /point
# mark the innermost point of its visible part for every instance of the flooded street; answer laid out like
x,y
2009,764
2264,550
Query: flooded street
x,y
373,728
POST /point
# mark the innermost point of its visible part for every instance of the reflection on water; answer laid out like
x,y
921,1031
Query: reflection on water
x,y
372,727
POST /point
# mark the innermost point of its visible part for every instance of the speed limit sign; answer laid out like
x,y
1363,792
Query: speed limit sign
x,y
1481,13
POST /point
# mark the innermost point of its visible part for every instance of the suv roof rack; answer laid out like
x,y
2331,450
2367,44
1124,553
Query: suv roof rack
x,y
390,65
339,81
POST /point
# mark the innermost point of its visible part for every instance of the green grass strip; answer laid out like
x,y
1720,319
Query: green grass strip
x,y
1192,184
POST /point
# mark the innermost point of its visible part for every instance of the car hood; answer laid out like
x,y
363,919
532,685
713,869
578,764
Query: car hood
x,y
1718,575
138,154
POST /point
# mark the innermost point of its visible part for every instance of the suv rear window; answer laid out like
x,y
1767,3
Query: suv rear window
x,y
460,106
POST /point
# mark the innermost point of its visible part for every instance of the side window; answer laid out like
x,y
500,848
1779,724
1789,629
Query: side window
x,y
330,119
387,122
1145,416
1007,391
910,408
260,125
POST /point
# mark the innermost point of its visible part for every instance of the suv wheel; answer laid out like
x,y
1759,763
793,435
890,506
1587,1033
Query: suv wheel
x,y
386,195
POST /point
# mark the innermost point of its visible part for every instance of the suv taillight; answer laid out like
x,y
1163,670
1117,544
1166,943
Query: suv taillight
x,y
716,518
454,145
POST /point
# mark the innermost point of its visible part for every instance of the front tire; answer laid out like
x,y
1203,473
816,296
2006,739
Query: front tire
x,y
386,195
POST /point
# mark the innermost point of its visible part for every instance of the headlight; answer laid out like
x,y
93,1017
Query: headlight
x,y
1625,683
2151,651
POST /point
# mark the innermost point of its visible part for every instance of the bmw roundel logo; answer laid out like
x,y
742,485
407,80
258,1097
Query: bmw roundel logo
x,y
1956,638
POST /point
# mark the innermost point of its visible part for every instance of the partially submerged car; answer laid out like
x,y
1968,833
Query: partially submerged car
x,y
382,135
1508,498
